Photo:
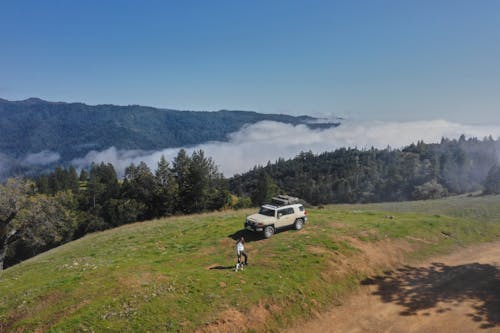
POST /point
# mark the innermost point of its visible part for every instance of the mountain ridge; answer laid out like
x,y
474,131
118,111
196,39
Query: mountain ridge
x,y
71,130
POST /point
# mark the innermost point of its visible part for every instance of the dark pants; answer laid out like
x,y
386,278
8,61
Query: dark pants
x,y
242,253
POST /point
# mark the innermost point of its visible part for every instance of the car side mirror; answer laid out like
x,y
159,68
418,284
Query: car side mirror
x,y
280,215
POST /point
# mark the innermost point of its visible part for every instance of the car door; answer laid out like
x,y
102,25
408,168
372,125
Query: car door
x,y
285,217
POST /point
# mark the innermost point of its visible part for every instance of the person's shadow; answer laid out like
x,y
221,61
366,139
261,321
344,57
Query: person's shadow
x,y
220,267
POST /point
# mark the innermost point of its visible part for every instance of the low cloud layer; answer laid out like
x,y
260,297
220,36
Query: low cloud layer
x,y
267,141
41,159
44,157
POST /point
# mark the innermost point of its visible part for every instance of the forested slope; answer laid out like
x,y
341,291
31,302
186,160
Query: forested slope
x,y
418,171
72,129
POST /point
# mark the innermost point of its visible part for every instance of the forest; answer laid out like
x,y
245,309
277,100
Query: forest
x,y
349,175
41,213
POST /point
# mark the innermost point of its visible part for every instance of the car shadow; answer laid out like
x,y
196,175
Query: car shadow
x,y
248,235
251,236
428,288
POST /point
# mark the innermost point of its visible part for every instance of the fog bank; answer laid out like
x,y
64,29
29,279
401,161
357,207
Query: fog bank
x,y
267,141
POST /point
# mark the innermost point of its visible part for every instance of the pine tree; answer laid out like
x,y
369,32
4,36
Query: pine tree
x,y
167,188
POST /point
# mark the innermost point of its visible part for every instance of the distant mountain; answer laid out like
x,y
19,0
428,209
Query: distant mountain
x,y
70,130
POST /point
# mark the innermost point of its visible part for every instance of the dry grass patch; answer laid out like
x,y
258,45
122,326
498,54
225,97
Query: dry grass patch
x,y
139,280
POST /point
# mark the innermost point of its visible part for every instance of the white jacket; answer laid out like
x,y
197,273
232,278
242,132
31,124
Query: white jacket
x,y
240,247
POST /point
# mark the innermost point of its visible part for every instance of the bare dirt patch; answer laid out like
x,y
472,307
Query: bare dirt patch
x,y
337,224
318,250
417,239
372,257
232,320
459,292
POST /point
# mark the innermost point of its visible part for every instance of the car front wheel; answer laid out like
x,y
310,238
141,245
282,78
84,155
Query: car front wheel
x,y
299,224
268,232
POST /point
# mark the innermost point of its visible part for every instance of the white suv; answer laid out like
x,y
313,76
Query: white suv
x,y
281,213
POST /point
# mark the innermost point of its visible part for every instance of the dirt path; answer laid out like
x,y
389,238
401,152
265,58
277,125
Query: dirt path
x,y
459,292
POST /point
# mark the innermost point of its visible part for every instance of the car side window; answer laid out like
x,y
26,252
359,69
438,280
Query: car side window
x,y
285,211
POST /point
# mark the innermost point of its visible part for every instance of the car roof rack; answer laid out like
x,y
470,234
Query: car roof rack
x,y
283,200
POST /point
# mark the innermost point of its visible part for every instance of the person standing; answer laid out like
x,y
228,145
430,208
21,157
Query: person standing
x,y
240,251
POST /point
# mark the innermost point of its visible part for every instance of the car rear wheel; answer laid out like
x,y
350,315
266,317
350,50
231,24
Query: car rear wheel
x,y
268,231
299,224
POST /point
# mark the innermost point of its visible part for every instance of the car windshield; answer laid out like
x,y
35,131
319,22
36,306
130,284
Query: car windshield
x,y
266,211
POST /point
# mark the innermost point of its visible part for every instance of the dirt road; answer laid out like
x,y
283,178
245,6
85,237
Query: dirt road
x,y
459,292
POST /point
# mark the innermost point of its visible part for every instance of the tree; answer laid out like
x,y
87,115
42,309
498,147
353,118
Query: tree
x,y
492,182
166,188
181,165
38,220
42,184
48,221
84,175
73,180
200,186
266,188
219,195
139,185
13,198
102,186
123,211
201,169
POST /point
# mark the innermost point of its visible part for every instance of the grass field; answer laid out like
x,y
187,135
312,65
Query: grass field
x,y
176,274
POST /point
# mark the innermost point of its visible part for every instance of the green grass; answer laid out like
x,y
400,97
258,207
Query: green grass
x,y
154,276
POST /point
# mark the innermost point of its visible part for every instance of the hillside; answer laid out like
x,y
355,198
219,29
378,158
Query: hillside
x,y
176,274
72,129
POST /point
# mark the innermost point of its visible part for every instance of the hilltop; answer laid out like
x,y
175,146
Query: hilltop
x,y
176,274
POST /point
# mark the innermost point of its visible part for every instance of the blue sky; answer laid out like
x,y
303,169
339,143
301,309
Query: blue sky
x,y
367,60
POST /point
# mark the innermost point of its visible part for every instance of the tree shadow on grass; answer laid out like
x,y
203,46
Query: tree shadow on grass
x,y
422,288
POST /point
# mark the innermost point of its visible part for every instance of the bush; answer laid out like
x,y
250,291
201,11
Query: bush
x,y
243,202
429,190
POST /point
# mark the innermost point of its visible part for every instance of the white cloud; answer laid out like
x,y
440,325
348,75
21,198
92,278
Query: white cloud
x,y
123,158
267,141
42,158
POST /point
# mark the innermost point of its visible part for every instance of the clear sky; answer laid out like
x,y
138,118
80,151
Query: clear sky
x,y
398,60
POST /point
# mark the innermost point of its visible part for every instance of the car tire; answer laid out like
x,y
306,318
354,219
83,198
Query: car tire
x,y
299,224
268,231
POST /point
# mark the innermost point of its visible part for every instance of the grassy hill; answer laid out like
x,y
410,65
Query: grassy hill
x,y
176,274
